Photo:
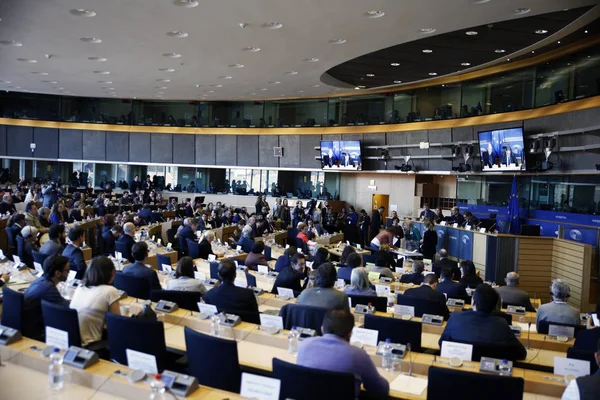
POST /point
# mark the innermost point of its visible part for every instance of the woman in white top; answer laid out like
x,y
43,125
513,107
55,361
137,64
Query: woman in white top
x,y
185,277
95,298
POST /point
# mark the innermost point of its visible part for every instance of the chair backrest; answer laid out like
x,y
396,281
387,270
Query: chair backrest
x,y
100,241
493,350
368,258
135,286
63,318
500,387
213,361
380,303
268,253
291,235
136,334
11,237
184,299
302,316
544,326
193,248
171,237
422,306
299,244
122,248
585,355
39,257
250,279
398,330
183,250
21,247
160,260
303,383
214,270
91,240
12,308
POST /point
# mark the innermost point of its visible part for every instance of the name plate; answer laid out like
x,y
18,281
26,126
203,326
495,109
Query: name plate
x,y
71,276
382,289
569,366
468,227
367,337
559,330
374,276
455,225
199,275
167,268
285,292
263,269
459,350
404,310
481,230
57,338
141,361
271,321
212,257
400,270
207,309
443,223
259,387
38,269
519,310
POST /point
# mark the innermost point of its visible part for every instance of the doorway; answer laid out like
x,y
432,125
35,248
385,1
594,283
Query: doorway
x,y
381,200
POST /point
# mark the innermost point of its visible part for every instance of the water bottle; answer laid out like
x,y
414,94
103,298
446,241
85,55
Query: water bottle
x,y
504,368
157,388
56,372
387,360
215,322
370,308
293,341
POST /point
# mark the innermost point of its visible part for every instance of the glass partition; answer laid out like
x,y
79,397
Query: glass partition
x,y
166,113
296,113
575,194
360,110
29,106
97,110
435,103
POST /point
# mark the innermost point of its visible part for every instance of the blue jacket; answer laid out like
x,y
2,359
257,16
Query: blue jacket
x,y
282,262
141,271
41,289
76,261
146,215
109,240
344,273
232,299
454,290
129,242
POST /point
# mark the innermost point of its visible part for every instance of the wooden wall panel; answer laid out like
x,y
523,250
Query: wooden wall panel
x,y
572,264
535,266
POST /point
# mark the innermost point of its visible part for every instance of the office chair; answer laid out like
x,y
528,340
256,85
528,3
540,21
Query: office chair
x,y
39,257
302,316
250,279
300,244
21,249
63,318
303,383
12,243
122,248
397,330
544,326
135,286
479,385
160,260
12,309
214,270
422,306
183,249
193,248
291,235
213,361
184,299
368,258
380,303
268,253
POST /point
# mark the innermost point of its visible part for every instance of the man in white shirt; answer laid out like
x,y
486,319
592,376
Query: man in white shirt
x,y
585,387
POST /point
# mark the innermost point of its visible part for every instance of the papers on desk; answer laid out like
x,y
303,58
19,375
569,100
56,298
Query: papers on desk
x,y
167,268
259,387
141,361
374,276
199,275
408,384
38,269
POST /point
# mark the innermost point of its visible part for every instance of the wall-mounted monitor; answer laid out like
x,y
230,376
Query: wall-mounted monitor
x,y
502,150
340,155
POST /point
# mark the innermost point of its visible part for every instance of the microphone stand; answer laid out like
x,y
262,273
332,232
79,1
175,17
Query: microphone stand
x,y
410,363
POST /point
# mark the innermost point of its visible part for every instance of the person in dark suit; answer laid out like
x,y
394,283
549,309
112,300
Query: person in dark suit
x,y
74,254
127,239
293,276
256,256
438,216
229,298
469,274
16,224
508,157
376,222
456,217
110,236
488,156
135,184
453,290
286,259
7,206
445,262
205,245
139,269
470,220
188,231
146,214
481,327
427,291
426,213
189,210
587,339
416,277
512,295
352,261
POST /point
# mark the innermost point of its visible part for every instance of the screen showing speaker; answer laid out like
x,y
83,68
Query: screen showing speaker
x,y
341,155
502,150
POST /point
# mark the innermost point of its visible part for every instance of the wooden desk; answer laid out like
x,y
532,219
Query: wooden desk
x,y
334,239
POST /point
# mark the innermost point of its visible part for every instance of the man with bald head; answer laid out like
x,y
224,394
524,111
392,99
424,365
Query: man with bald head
x,y
126,239
512,295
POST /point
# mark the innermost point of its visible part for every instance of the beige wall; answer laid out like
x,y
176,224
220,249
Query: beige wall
x,y
401,188
447,185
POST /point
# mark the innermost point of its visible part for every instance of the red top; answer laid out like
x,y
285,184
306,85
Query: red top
x,y
302,236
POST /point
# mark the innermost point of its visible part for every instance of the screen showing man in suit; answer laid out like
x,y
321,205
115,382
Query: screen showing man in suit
x,y
502,150
344,154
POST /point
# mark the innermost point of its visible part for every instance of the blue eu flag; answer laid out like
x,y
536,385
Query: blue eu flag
x,y
513,209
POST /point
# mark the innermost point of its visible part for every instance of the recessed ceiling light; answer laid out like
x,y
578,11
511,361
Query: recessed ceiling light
x,y
426,31
427,51
52,82
166,69
216,86
40,73
394,64
27,60
300,91
471,33
163,87
196,86
107,88
397,81
337,41
252,94
521,11
99,59
211,91
274,83
272,25
433,73
251,49
500,51
541,31
558,42
311,59
532,51
11,43
480,1
80,12
172,55
316,85
186,3
374,14
160,92
236,65
362,86
264,88
177,34
89,39
357,88
465,64
291,73
370,75
102,72
585,32
1,81
226,77
163,80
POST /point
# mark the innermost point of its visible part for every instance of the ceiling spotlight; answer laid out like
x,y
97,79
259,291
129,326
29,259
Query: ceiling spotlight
x,y
107,82
500,51
480,1
236,65
1,81
196,86
27,60
89,39
102,72
311,59
166,69
432,73
272,25
210,91
99,59
558,42
263,89
316,85
107,88
361,86
225,77
426,31
471,33
532,51
427,51
521,11
251,49
357,88
177,34
52,82
291,73
397,81
337,41
242,25
80,12
172,55
186,3
10,43
370,75
585,32
465,64
274,83
374,14
395,64
541,31
217,86
40,73
163,80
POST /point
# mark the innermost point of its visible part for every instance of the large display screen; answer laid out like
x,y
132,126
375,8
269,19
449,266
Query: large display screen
x,y
341,155
502,150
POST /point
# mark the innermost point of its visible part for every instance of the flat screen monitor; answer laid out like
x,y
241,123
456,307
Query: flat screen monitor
x,y
502,150
530,230
340,155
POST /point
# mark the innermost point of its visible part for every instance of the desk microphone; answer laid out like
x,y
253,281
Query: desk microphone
x,y
492,227
528,333
410,363
479,224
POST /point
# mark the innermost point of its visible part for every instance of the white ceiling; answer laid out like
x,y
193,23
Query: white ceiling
x,y
134,39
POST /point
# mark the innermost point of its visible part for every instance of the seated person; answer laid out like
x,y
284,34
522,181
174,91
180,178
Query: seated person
x,y
285,260
479,326
512,295
95,298
445,262
312,245
206,245
384,252
586,387
185,279
321,257
139,269
292,277
302,231
227,297
333,352
74,254
587,339
469,276
246,241
416,277
359,283
352,261
558,310
470,220
30,245
453,290
110,236
323,294
127,239
427,291
54,246
256,256
345,253
381,267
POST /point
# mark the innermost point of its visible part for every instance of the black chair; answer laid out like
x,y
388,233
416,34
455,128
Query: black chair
x,y
171,238
135,286
21,249
368,258
422,306
268,253
140,335
122,248
99,242
299,244
479,385
302,316
160,260
12,243
214,270
12,309
184,299
303,383
544,326
63,318
91,240
380,303
585,355
250,279
213,361
183,250
193,248
493,350
291,235
39,257
398,330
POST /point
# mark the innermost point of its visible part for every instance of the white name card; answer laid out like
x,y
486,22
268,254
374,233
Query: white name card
x,y
559,330
169,245
118,255
259,387
271,320
199,275
57,338
340,283
159,241
212,257
468,227
460,350
455,225
287,246
481,230
71,276
374,276
404,310
263,269
348,242
285,292
38,269
382,289
428,264
141,361
595,319
207,309
443,223
240,283
153,238
368,337
167,268
309,264
238,248
400,270
565,366
17,261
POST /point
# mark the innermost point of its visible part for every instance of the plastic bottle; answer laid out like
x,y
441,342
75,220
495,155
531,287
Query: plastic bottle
x,y
387,359
215,323
370,308
504,368
56,372
157,388
293,341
